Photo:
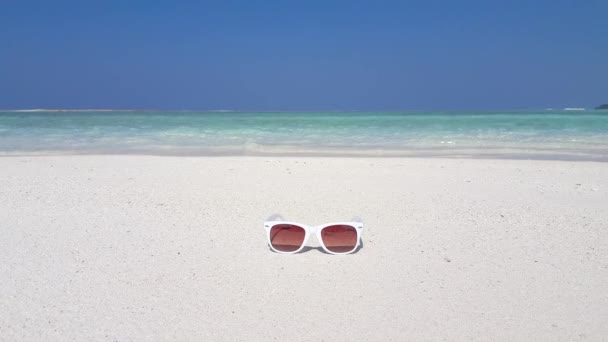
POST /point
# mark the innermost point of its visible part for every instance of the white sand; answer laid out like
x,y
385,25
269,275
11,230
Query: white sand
x,y
172,248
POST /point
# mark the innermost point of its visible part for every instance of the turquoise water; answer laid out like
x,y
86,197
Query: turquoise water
x,y
542,134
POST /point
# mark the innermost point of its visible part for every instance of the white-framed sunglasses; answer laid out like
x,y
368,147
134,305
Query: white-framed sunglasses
x,y
335,238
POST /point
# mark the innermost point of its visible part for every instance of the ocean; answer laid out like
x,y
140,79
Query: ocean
x,y
569,135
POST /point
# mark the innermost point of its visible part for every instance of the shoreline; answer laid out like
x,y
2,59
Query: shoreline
x,y
544,155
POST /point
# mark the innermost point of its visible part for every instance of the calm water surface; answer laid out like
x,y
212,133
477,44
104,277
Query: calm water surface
x,y
542,134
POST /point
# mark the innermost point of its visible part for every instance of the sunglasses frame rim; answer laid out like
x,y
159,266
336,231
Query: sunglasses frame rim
x,y
316,230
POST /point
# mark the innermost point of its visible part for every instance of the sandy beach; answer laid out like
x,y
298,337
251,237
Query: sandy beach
x,y
172,248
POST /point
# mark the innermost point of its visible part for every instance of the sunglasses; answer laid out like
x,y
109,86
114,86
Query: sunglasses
x,y
290,237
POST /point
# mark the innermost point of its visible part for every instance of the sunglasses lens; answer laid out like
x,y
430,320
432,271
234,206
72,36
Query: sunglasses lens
x,y
339,238
287,237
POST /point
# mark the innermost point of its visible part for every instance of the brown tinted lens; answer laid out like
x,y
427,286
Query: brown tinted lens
x,y
286,237
339,238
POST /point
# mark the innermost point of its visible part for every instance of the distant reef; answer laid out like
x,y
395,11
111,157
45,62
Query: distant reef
x,y
604,106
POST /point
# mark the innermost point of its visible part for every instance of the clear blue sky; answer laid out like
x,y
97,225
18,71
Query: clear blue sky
x,y
303,55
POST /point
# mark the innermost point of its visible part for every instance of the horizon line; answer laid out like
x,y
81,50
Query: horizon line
x,y
34,110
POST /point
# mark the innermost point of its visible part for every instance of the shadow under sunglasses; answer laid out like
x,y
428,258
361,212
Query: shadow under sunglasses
x,y
306,249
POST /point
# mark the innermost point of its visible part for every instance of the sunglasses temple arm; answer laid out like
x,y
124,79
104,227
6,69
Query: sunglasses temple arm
x,y
279,217
357,219
275,217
